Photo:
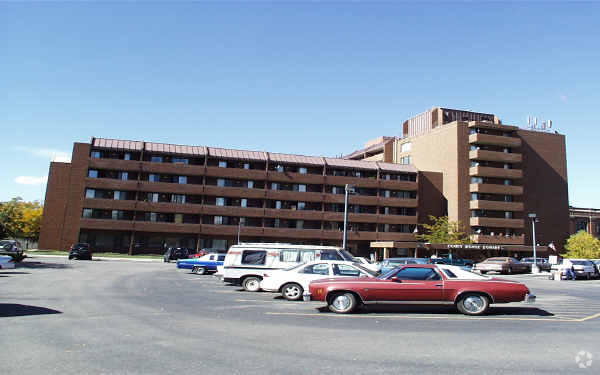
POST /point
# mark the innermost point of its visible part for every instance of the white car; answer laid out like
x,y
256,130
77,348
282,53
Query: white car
x,y
375,267
6,262
583,267
292,282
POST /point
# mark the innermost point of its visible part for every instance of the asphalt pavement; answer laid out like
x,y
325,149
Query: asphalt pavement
x,y
121,317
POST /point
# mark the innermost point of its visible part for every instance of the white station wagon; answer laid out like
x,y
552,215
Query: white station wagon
x,y
292,283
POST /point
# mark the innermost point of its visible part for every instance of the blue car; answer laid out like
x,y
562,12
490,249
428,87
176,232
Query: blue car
x,y
203,265
391,263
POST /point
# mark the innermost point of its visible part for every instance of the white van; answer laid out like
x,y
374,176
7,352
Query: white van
x,y
245,264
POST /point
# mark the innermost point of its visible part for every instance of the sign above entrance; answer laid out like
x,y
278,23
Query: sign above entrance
x,y
475,247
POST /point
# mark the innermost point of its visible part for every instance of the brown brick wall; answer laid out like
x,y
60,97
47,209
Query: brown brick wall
x,y
545,186
79,167
55,204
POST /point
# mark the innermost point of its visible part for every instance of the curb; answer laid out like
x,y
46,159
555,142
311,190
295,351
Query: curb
x,y
98,258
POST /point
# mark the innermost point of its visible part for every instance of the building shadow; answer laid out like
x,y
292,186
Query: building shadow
x,y
440,310
43,265
15,309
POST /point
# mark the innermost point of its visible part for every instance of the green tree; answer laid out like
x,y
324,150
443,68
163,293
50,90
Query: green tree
x,y
21,219
442,230
583,245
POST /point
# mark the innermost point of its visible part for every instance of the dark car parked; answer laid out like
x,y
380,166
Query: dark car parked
x,y
12,248
452,261
81,251
174,253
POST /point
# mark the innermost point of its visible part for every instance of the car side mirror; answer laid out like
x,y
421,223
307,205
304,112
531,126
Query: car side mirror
x,y
395,279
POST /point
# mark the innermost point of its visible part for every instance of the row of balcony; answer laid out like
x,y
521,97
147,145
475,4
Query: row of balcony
x,y
233,192
247,174
228,230
244,211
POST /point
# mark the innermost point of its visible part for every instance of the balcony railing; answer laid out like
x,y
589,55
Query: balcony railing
x,y
492,222
503,157
496,189
496,140
496,172
495,205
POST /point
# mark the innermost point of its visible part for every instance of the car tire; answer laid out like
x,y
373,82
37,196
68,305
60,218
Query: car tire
x,y
199,270
483,272
342,303
473,304
251,284
70,257
588,276
292,291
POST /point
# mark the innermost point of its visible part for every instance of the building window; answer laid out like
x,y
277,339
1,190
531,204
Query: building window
x,y
218,220
96,154
127,156
279,168
405,160
581,225
508,198
405,147
123,176
508,215
246,165
182,180
244,202
474,196
178,218
300,187
222,164
302,205
92,173
156,159
180,160
221,182
177,198
220,201
90,193
476,180
507,182
87,213
302,170
275,186
250,184
278,205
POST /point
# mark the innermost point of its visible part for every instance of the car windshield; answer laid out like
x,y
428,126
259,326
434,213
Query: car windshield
x,y
359,266
578,262
5,242
346,255
496,260
294,267
386,275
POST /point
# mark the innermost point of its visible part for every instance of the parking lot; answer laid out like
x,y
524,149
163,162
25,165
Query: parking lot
x,y
61,316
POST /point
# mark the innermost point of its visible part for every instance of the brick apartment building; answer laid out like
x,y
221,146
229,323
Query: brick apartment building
x,y
138,197
586,219
490,176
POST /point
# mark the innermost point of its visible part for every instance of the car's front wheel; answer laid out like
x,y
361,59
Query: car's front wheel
x,y
292,291
251,284
342,303
199,270
473,304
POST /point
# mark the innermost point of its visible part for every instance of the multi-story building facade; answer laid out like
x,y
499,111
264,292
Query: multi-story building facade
x,y
586,219
493,175
138,197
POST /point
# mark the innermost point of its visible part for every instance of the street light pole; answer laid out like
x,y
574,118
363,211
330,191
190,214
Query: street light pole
x,y
534,267
347,189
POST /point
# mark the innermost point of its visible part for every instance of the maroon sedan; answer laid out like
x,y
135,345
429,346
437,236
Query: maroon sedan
x,y
420,284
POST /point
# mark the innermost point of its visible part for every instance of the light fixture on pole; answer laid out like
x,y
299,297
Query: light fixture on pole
x,y
415,233
348,189
534,219
239,229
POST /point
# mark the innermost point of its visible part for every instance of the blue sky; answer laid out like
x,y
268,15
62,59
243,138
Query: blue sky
x,y
314,78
